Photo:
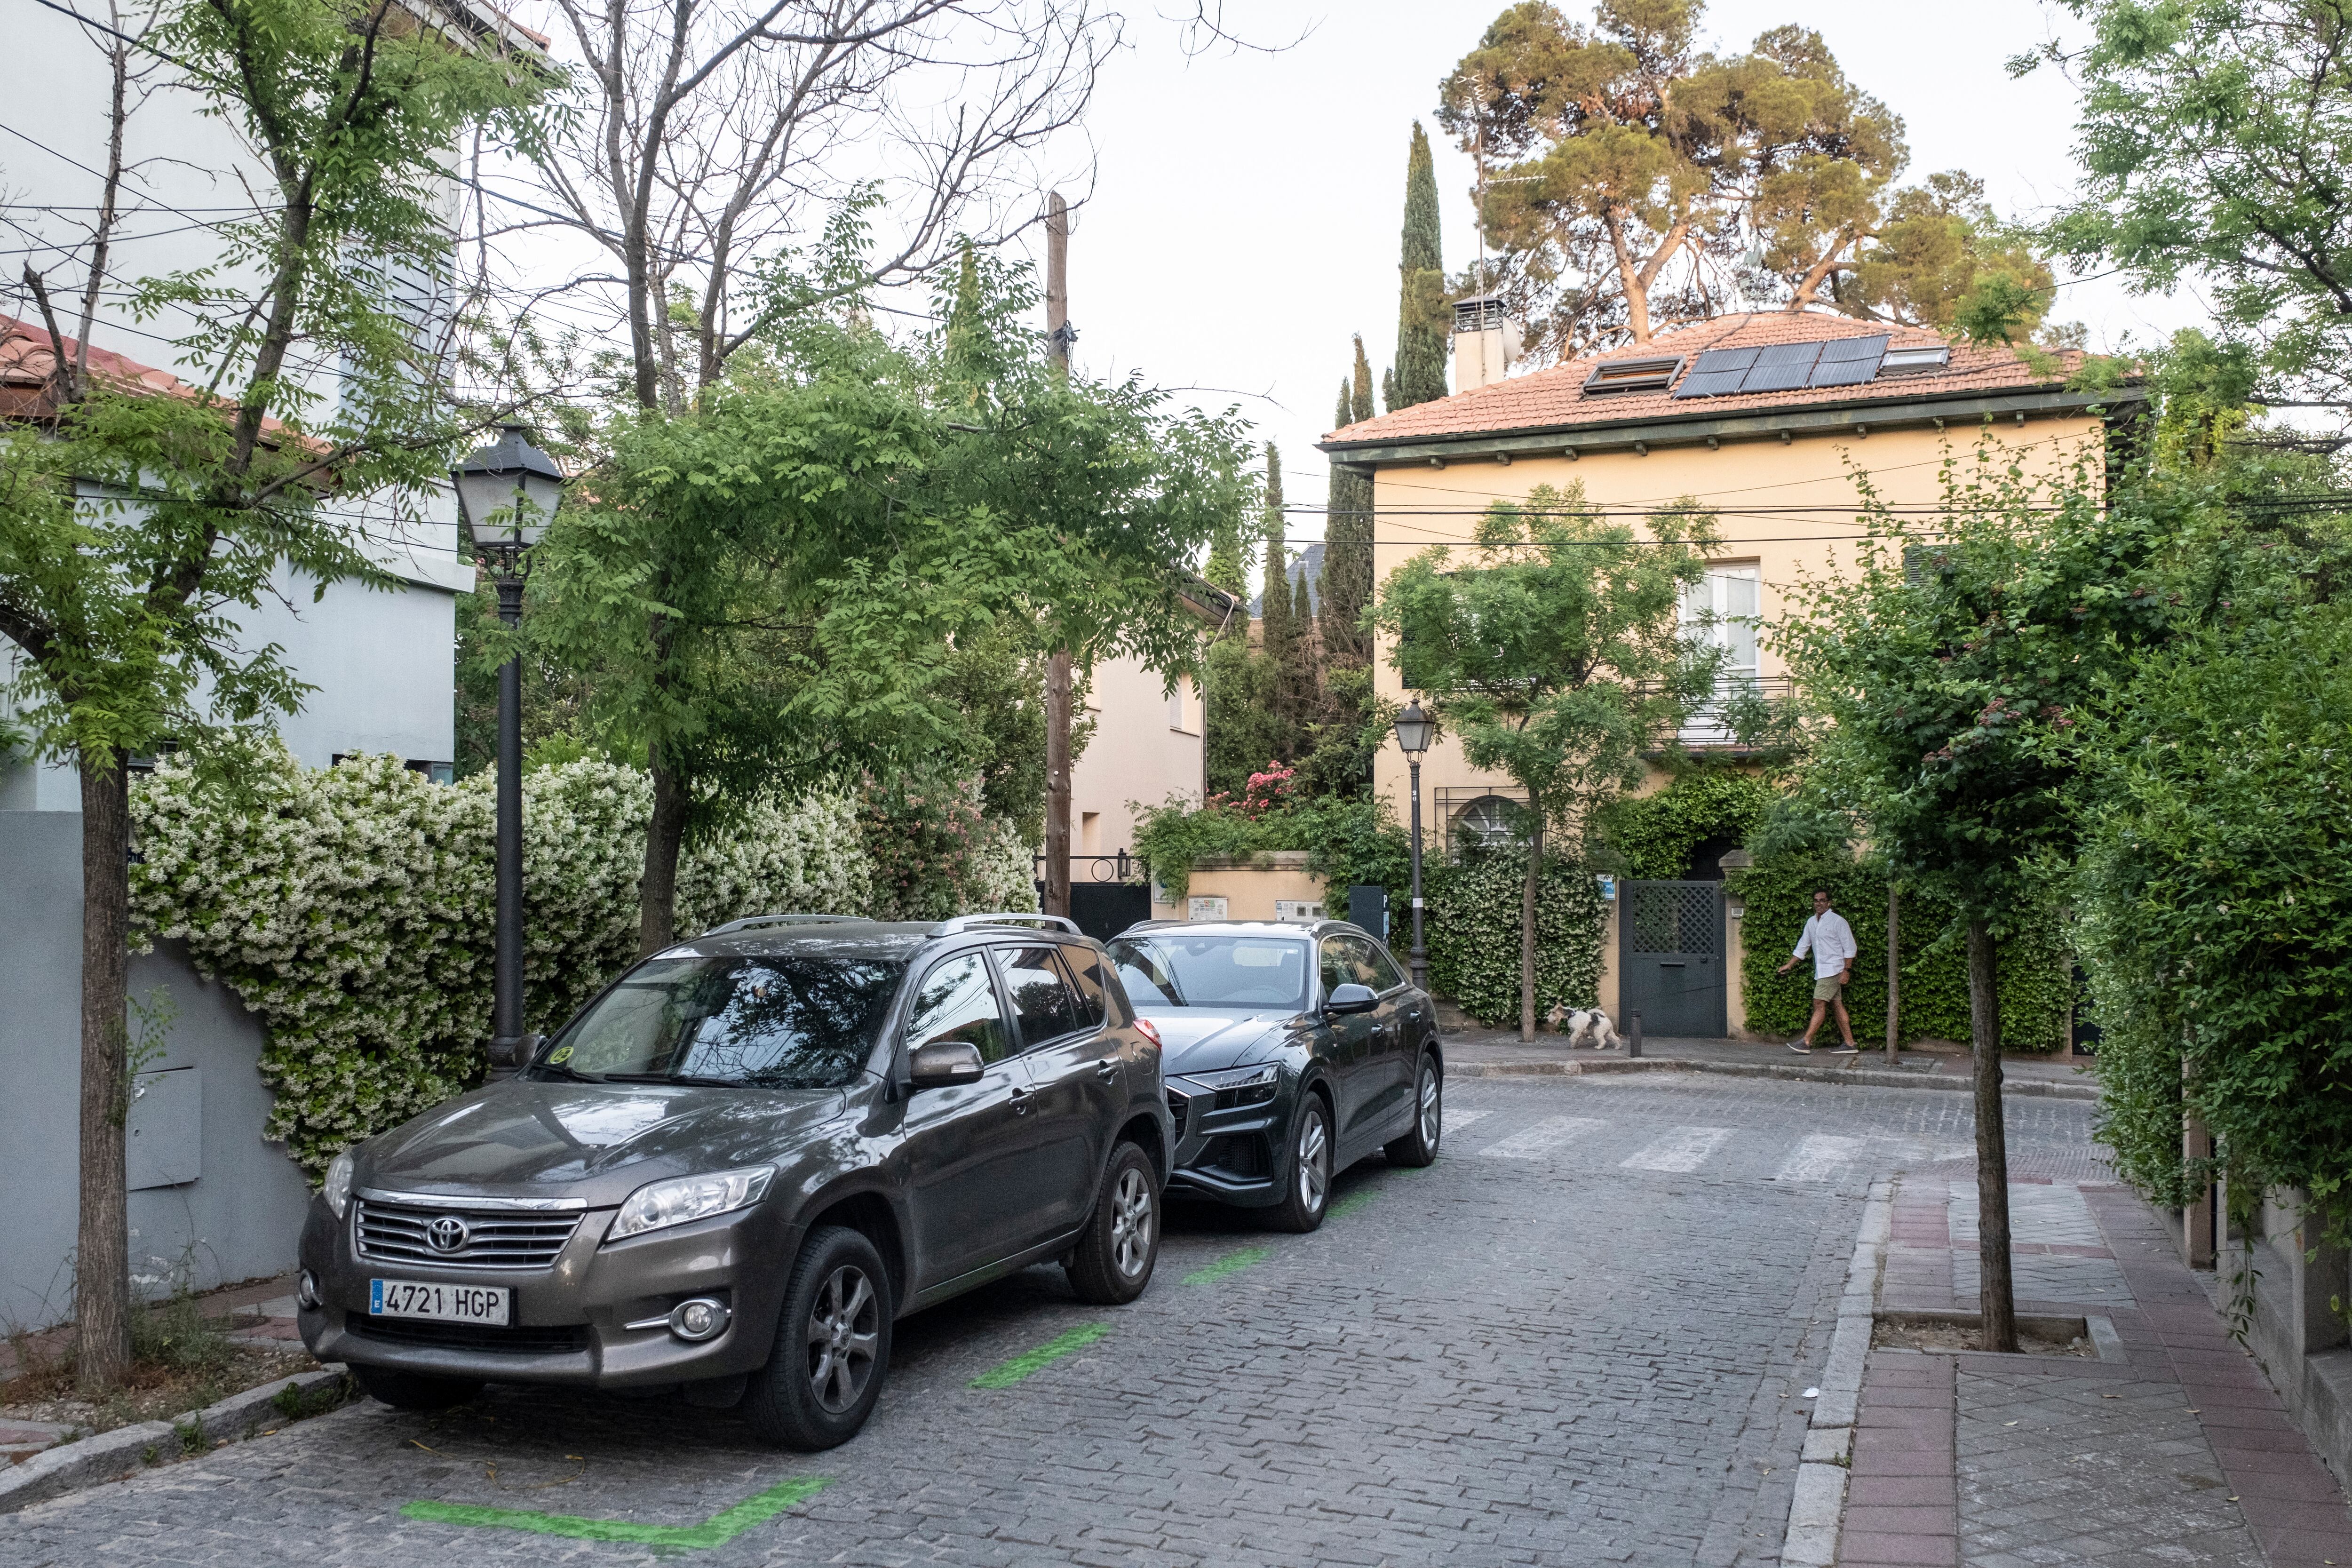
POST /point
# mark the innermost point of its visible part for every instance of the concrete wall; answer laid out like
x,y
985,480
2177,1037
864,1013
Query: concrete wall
x,y
1147,746
239,1218
1253,890
2297,1329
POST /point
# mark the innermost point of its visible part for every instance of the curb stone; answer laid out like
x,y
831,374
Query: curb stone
x,y
126,1450
1820,1499
1863,1076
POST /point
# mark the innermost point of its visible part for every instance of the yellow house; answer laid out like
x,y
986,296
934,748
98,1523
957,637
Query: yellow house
x,y
1766,419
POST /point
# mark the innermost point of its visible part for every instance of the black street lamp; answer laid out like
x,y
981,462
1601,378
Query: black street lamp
x,y
1414,729
507,492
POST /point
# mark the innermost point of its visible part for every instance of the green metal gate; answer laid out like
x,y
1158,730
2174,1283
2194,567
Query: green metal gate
x,y
1671,946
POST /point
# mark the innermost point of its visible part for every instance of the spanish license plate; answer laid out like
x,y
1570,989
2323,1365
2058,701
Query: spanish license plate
x,y
438,1303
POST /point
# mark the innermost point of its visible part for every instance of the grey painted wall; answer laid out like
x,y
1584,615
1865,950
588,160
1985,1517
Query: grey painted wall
x,y
238,1219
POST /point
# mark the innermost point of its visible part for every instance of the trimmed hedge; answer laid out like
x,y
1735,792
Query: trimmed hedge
x,y
1472,933
1654,834
2033,974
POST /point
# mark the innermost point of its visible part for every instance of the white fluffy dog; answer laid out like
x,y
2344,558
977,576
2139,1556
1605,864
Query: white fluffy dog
x,y
1586,1027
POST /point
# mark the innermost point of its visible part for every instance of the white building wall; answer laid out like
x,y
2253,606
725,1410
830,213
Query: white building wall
x,y
1147,746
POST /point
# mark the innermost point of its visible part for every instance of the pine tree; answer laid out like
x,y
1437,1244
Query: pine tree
x,y
1347,585
1421,296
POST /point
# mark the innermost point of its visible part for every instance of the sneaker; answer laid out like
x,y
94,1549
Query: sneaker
x,y
1801,1048
1845,1050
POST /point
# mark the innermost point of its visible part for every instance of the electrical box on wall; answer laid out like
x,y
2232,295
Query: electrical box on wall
x,y
163,1132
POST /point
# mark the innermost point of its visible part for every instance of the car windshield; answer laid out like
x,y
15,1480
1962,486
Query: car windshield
x,y
1172,970
769,1023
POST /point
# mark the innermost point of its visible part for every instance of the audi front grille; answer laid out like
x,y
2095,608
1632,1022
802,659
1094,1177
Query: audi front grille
x,y
494,1238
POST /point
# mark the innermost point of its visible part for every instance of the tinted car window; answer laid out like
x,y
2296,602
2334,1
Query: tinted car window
x,y
776,1023
1168,968
1086,969
1381,968
1344,963
957,1003
1040,992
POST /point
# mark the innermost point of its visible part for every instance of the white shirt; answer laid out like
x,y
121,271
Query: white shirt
x,y
1831,940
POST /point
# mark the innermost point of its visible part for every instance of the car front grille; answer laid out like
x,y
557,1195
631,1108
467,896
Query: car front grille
x,y
511,1339
1178,1105
492,1239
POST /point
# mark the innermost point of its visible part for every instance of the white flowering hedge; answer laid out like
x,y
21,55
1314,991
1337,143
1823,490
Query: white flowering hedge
x,y
350,910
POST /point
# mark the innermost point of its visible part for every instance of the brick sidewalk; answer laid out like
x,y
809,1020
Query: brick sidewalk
x,y
2170,1447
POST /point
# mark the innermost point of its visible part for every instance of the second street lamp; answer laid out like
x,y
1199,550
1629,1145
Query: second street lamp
x,y
507,492
1414,729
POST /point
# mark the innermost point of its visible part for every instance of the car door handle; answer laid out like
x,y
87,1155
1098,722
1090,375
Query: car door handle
x,y
1106,1070
1020,1102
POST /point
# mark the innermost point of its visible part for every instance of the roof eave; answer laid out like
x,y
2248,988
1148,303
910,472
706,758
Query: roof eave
x,y
1675,429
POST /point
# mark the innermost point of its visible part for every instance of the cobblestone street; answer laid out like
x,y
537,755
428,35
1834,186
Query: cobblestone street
x,y
1583,1337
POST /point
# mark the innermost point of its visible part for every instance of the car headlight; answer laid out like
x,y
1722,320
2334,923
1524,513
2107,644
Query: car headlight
x,y
337,1188
659,1205
1238,1086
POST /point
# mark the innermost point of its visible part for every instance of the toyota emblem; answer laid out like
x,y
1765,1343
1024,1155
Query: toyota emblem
x,y
447,1234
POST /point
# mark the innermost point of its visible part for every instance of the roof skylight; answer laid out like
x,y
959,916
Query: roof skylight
x,y
1632,376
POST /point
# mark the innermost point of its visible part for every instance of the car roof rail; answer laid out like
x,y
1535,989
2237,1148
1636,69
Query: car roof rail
x,y
749,921
1003,918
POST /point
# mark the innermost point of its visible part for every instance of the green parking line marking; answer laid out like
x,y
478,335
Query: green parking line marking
x,y
716,1531
1007,1374
1350,1203
1231,1263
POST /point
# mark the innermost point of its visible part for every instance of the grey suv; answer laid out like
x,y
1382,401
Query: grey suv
x,y
744,1160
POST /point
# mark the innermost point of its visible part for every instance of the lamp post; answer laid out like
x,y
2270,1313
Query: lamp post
x,y
1413,731
506,493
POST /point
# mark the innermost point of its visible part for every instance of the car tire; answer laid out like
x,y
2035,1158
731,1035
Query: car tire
x,y
1419,1147
1113,1262
833,1346
415,1390
1307,1168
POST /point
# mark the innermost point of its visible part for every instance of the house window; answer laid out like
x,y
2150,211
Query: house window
x,y
1722,611
1184,708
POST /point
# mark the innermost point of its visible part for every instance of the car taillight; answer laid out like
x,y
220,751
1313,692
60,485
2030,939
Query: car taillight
x,y
1143,1027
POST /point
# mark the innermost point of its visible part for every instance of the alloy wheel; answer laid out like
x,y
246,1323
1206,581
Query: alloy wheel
x,y
1432,1116
843,1332
1130,1223
1314,1158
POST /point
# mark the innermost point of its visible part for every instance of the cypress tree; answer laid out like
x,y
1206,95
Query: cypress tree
x,y
1274,610
1420,302
1347,585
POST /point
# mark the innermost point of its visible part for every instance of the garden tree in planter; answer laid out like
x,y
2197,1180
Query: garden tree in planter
x,y
1553,651
127,612
1958,662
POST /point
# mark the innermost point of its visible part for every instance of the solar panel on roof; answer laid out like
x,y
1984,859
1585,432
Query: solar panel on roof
x,y
1848,362
1783,367
1718,373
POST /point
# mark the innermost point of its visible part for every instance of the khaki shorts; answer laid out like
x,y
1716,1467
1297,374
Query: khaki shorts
x,y
1827,989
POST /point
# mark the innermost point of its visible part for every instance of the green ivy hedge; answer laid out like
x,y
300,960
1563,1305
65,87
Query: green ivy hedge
x,y
1472,933
1653,835
2034,972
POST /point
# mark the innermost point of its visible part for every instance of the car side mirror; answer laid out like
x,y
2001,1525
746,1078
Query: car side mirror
x,y
937,1063
508,1059
1350,999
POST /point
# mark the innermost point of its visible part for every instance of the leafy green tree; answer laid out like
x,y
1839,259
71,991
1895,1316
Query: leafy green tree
x,y
2215,142
1553,652
1937,255
136,527
1959,661
1423,315
1346,587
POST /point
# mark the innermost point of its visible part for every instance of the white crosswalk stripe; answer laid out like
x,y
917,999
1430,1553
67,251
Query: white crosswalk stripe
x,y
1535,1143
1456,1119
1821,1157
1682,1149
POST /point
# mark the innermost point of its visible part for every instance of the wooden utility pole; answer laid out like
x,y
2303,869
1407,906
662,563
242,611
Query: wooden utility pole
x,y
1057,662
1893,976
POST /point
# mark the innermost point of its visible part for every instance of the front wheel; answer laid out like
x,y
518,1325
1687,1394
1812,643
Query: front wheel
x,y
1306,1177
833,1346
1112,1262
1419,1147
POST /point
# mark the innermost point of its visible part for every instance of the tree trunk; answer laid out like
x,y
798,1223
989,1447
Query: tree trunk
x,y
1894,975
657,887
1997,1299
102,1245
1058,783
1527,931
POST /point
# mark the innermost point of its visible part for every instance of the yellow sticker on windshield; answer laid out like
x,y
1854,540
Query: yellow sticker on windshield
x,y
560,1055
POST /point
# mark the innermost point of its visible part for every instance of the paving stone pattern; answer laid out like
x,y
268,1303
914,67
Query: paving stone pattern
x,y
1555,1359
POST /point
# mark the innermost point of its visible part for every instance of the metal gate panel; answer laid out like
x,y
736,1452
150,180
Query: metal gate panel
x,y
1673,968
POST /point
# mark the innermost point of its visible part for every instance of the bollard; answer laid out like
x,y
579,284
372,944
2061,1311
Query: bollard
x,y
1634,1037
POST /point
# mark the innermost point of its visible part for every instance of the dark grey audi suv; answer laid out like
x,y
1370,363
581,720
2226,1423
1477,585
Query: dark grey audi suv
x,y
1291,1051
744,1160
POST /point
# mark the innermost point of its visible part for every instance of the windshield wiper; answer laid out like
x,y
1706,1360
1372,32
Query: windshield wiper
x,y
666,1078
567,1072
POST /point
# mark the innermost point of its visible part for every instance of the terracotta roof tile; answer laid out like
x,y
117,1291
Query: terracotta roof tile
x,y
1555,398
27,361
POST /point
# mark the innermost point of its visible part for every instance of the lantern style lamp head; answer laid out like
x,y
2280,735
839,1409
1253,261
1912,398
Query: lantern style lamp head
x,y
507,492
1414,729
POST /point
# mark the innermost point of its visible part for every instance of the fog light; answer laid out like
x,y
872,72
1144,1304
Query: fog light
x,y
701,1319
306,1290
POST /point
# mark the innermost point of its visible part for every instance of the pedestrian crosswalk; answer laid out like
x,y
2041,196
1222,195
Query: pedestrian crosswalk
x,y
1814,1158
1543,1138
1682,1149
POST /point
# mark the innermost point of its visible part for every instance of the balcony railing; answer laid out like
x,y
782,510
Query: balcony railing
x,y
1710,725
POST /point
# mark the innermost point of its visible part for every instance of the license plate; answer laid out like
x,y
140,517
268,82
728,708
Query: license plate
x,y
438,1303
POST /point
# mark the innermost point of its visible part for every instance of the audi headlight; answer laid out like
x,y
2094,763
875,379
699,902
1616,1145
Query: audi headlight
x,y
656,1206
1238,1086
337,1188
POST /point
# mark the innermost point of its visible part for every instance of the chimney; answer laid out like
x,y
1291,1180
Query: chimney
x,y
1485,341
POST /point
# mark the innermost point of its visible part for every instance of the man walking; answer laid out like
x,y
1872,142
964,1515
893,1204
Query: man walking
x,y
1830,942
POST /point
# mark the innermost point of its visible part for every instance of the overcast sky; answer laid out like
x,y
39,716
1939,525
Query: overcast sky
x,y
1247,215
